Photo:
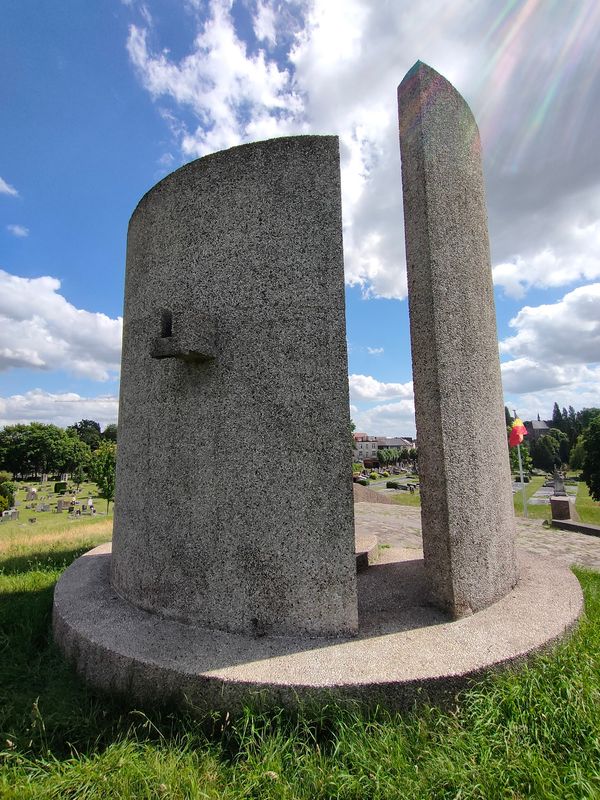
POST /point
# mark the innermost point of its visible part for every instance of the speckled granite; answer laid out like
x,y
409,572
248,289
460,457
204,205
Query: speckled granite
x,y
234,352
467,510
405,650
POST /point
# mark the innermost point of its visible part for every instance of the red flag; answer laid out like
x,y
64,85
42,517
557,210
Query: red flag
x,y
517,432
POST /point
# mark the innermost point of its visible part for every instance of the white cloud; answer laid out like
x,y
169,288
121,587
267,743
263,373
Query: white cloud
x,y
556,354
6,188
18,230
566,332
367,388
264,22
236,96
391,419
531,403
166,160
579,260
345,60
59,409
40,329
374,351
526,375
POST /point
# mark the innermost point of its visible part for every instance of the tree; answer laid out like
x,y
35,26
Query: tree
x,y
577,453
383,456
33,449
563,444
526,461
103,470
544,453
109,434
413,456
88,430
573,430
78,475
585,416
77,454
13,449
557,419
8,490
508,418
591,459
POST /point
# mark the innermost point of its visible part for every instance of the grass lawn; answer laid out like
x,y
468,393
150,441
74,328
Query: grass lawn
x,y
533,512
588,509
51,527
404,498
532,733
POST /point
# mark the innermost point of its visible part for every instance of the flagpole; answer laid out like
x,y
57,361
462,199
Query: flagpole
x,y
522,481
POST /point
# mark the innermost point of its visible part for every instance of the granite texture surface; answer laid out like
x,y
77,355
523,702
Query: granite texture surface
x,y
467,509
234,352
405,650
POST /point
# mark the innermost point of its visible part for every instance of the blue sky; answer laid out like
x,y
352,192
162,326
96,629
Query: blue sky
x,y
101,100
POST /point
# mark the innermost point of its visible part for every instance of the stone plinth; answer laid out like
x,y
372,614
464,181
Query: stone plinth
x,y
405,651
234,356
467,508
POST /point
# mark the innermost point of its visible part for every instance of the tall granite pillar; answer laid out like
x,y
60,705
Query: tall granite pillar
x,y
467,509
234,495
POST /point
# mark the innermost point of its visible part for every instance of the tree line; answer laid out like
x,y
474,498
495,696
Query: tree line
x,y
37,448
40,449
397,455
572,440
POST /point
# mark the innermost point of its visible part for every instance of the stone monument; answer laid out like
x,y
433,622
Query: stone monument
x,y
466,498
234,354
221,591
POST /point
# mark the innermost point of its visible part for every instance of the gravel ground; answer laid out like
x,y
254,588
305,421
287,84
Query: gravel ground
x,y
400,526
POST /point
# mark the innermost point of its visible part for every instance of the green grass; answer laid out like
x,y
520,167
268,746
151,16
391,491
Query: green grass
x,y
533,511
588,509
49,525
531,733
405,498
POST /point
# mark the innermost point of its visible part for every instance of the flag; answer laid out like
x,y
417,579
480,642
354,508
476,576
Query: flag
x,y
517,432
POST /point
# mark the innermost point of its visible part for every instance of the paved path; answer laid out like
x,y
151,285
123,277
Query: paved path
x,y
400,526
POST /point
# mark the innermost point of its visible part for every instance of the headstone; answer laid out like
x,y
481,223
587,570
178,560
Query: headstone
x,y
42,507
31,494
559,485
234,337
467,508
560,507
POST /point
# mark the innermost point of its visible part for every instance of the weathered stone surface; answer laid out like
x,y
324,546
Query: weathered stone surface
x,y
234,353
406,651
467,509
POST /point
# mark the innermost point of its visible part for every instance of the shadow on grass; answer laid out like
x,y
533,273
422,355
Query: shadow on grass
x,y
44,560
46,711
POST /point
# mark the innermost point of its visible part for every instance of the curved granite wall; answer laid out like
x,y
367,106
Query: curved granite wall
x,y
234,362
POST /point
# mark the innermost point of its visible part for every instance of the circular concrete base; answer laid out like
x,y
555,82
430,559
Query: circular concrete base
x,y
405,649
